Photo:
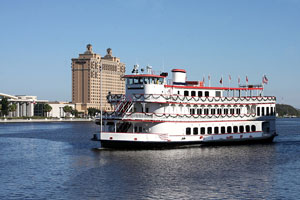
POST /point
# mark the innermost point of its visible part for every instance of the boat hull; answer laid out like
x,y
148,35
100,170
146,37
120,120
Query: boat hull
x,y
115,144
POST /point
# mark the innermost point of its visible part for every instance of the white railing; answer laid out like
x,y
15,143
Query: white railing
x,y
190,99
185,117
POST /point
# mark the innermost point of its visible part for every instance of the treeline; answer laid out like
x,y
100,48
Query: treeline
x,y
287,110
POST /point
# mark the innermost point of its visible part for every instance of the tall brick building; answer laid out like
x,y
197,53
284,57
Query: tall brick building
x,y
86,79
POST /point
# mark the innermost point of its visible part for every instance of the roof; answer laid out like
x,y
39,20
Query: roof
x,y
211,88
179,70
143,75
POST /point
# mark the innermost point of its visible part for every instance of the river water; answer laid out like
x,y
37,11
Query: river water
x,y
59,161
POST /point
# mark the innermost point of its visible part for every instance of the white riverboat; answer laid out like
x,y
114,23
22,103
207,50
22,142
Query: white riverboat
x,y
157,112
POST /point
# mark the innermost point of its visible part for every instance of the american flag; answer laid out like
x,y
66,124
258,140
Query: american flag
x,y
265,80
247,79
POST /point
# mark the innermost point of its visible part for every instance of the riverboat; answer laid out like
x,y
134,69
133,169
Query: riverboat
x,y
161,112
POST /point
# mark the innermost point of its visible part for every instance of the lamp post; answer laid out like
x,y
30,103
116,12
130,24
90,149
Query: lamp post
x,y
100,96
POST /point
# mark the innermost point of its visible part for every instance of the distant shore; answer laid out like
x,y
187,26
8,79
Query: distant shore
x,y
45,120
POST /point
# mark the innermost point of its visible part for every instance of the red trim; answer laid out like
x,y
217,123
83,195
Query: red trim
x,y
143,75
159,121
178,70
211,88
173,102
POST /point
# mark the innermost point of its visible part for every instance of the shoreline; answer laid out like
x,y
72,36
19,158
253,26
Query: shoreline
x,y
44,120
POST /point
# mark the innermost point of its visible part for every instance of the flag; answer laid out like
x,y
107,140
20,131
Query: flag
x,y
221,80
239,80
209,77
229,77
203,80
247,79
265,80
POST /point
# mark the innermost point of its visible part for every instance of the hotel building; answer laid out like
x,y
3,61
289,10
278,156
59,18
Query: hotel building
x,y
86,79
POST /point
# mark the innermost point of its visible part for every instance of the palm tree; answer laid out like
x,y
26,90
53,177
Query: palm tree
x,y
12,108
68,110
47,108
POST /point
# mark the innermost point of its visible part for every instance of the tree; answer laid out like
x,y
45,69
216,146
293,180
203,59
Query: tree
x,y
68,110
12,107
4,106
47,108
93,111
75,112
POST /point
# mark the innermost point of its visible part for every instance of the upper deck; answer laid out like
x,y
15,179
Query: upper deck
x,y
156,88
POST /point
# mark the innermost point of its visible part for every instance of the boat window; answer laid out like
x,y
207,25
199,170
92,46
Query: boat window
x,y
268,111
209,130
146,80
200,94
253,128
161,81
238,111
178,92
193,93
219,110
192,111
151,81
241,129
229,129
223,130
130,81
272,111
235,129
225,111
188,131
206,111
186,93
218,94
231,111
195,131
263,111
213,111
206,93
216,131
247,128
140,129
155,80
202,131
199,111
135,81
258,111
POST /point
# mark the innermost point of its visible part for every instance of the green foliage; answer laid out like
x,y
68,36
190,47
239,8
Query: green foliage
x,y
12,107
286,110
93,111
47,108
68,109
75,112
4,106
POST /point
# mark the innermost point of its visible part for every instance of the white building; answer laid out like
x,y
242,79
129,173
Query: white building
x,y
58,109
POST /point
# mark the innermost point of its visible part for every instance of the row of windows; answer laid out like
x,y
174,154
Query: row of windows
x,y
262,111
214,111
220,130
199,93
145,80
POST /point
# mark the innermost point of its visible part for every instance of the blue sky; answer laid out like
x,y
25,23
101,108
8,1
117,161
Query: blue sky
x,y
216,37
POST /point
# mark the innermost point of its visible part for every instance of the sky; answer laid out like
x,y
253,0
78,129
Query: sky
x,y
219,38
